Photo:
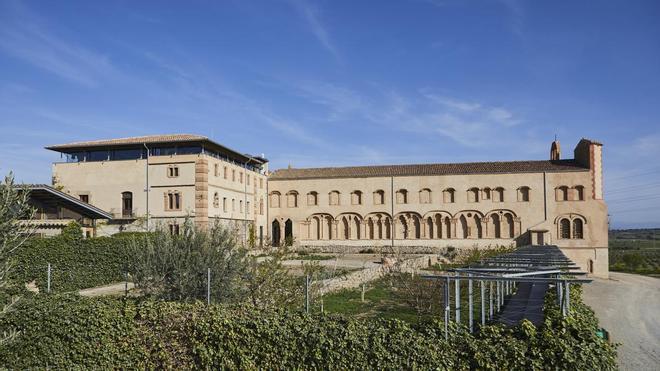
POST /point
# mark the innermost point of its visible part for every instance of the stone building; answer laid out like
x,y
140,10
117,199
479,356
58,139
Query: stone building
x,y
481,204
187,176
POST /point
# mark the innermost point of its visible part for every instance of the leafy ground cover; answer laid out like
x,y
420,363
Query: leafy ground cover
x,y
66,331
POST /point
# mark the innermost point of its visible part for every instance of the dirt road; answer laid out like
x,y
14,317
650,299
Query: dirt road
x,y
628,306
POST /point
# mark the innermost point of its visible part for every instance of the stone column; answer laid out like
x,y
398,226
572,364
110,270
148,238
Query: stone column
x,y
363,230
516,227
484,227
453,227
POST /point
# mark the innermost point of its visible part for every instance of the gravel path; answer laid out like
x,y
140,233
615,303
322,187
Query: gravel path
x,y
112,289
628,306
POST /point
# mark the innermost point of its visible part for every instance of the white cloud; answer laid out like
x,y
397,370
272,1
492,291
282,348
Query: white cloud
x,y
25,37
310,15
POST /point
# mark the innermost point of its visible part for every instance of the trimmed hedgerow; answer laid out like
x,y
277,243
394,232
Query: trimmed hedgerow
x,y
66,331
76,263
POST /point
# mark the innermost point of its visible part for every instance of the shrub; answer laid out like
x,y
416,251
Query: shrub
x,y
66,331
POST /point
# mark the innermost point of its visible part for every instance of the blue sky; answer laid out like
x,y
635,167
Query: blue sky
x,y
331,83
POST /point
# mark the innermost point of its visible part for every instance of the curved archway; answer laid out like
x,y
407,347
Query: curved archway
x,y
276,233
288,232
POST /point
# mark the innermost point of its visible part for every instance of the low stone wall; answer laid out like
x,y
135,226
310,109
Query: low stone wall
x,y
355,279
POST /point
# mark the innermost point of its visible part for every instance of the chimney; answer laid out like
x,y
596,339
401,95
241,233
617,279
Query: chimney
x,y
555,151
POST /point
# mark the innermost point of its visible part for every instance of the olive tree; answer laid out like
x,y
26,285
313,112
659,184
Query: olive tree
x,y
14,211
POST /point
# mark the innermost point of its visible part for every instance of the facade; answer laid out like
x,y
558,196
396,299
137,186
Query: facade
x,y
187,176
54,210
557,202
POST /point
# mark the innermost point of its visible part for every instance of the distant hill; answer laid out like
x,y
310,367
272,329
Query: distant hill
x,y
635,234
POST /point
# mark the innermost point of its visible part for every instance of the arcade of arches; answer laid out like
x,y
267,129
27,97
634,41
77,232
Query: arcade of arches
x,y
467,224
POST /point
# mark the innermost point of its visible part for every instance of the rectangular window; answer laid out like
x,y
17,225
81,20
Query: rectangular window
x,y
247,207
240,204
261,183
233,204
216,170
84,198
233,175
174,229
173,201
224,204
225,175
240,177
247,179
172,171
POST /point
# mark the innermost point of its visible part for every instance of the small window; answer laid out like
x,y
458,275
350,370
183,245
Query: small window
x,y
225,172
224,204
216,169
473,195
240,177
561,193
425,196
448,195
84,198
233,175
216,200
233,204
173,201
312,198
402,196
275,199
247,207
486,193
174,229
564,229
172,171
579,193
261,206
523,194
498,194
292,199
356,198
240,206
577,229
247,179
379,197
261,183
334,198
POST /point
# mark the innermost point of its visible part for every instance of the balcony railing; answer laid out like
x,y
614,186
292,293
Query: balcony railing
x,y
123,213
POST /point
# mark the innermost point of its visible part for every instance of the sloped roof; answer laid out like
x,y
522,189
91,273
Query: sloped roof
x,y
429,169
167,138
42,191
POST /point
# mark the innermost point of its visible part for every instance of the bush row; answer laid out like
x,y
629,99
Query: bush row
x,y
66,331
75,263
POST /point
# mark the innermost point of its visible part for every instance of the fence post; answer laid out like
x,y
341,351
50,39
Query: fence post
x,y
307,293
208,286
490,300
470,304
483,299
48,280
447,304
458,299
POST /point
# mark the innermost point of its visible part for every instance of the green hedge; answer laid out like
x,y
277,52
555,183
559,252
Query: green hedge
x,y
75,263
66,331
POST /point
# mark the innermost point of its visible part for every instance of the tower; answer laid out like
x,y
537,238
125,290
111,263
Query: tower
x,y
555,150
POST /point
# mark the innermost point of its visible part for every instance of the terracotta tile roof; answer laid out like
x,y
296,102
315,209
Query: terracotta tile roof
x,y
428,169
132,140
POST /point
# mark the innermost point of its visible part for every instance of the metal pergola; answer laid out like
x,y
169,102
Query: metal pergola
x,y
516,283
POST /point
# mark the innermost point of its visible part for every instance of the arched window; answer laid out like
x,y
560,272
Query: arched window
x,y
334,198
523,194
275,199
402,196
564,229
216,200
216,169
292,199
577,229
486,193
425,196
473,195
356,198
579,193
312,198
448,195
379,197
498,194
561,193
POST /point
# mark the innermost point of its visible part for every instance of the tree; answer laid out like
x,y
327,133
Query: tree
x,y
14,209
174,267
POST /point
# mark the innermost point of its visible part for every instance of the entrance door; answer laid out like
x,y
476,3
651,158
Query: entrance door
x,y
540,238
276,233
